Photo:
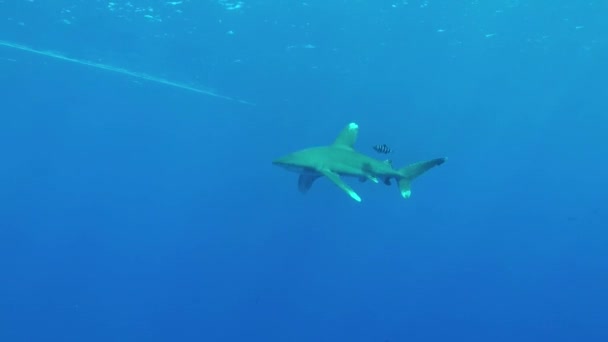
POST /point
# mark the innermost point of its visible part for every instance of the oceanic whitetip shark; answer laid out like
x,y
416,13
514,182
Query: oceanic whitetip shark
x,y
341,159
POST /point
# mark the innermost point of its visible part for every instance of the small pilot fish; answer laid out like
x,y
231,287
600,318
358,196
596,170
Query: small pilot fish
x,y
382,149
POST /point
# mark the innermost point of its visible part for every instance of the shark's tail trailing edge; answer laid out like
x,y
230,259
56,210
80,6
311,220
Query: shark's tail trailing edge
x,y
412,171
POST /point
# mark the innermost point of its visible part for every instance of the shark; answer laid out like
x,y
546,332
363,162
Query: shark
x,y
340,159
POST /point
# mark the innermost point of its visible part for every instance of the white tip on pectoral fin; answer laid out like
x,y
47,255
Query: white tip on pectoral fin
x,y
406,194
354,196
335,178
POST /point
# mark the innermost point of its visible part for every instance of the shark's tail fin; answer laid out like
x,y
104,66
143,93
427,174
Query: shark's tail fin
x,y
412,171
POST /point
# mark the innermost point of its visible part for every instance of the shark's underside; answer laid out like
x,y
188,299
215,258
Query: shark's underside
x,y
341,159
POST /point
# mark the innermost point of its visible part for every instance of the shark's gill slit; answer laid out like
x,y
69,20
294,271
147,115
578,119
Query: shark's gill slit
x,y
126,72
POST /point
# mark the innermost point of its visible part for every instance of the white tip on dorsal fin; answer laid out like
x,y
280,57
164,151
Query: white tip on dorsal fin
x,y
348,136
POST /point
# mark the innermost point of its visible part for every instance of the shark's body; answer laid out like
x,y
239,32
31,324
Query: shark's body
x,y
341,159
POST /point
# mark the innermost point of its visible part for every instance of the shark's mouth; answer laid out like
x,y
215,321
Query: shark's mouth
x,y
294,168
297,169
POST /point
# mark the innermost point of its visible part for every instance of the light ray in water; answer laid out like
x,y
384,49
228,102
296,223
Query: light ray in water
x,y
126,72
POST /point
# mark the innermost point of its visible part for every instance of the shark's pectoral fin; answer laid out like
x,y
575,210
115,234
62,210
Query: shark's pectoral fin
x,y
334,177
305,182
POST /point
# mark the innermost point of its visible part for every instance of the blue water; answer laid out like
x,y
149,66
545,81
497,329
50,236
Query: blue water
x,y
136,211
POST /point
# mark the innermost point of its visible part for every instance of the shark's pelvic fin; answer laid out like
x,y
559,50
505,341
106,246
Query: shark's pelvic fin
x,y
364,179
348,136
305,182
334,177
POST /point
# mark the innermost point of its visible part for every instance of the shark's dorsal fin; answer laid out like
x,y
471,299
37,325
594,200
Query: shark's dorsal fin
x,y
348,136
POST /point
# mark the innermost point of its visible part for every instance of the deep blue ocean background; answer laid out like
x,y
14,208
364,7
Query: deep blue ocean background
x,y
137,211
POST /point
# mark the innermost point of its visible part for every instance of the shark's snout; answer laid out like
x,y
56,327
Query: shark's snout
x,y
288,163
279,161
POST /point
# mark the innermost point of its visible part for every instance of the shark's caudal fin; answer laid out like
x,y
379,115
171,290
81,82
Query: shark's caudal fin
x,y
412,171
348,136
